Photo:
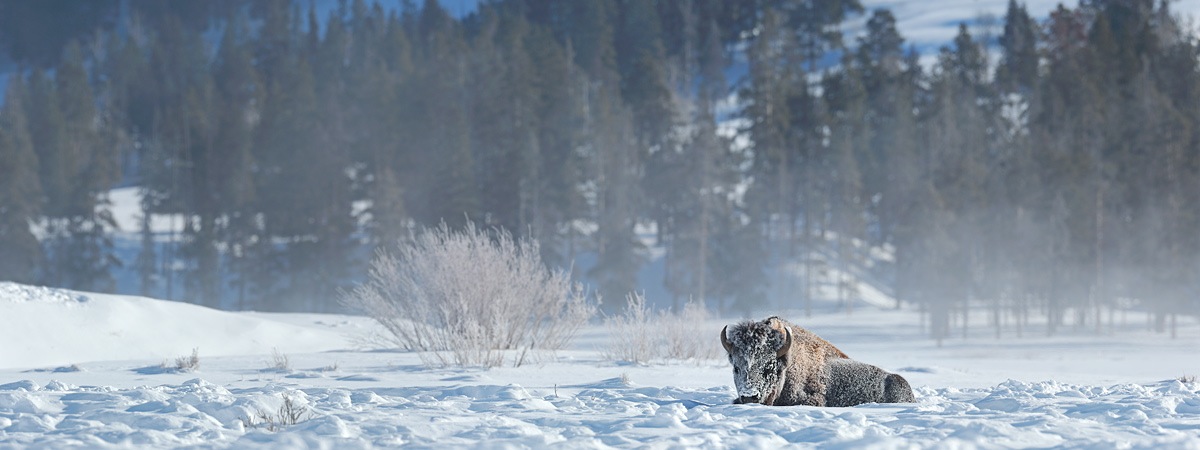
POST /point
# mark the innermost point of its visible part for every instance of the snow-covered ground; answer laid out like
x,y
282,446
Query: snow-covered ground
x,y
82,370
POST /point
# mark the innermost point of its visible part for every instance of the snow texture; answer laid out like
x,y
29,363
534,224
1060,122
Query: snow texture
x,y
606,413
1077,391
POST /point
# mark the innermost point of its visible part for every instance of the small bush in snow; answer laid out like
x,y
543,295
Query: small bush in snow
x,y
188,363
632,332
279,361
291,412
639,335
468,298
1187,379
680,337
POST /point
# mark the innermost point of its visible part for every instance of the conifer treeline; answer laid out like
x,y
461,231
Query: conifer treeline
x,y
1062,180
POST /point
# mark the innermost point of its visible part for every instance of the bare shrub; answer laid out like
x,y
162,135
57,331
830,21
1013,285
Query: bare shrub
x,y
639,335
470,298
279,361
1187,379
291,412
632,332
188,363
680,337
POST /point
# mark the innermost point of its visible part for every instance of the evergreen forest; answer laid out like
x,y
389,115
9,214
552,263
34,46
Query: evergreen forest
x,y
1048,170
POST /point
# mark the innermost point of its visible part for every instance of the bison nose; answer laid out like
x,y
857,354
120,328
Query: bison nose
x,y
745,400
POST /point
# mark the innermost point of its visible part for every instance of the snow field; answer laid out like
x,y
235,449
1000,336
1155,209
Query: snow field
x,y
1070,391
608,413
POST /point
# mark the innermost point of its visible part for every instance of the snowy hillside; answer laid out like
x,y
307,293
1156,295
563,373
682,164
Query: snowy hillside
x,y
51,327
76,370
930,24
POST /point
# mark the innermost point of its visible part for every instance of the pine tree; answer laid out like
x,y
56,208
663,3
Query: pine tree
x,y
770,85
19,190
239,103
640,63
956,127
558,202
178,82
608,148
1018,69
34,34
441,165
890,124
200,234
46,130
504,120
845,97
687,178
76,170
737,245
1178,82
304,196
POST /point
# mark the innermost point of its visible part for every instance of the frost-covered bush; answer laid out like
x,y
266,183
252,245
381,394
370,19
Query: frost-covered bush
x,y
639,335
188,363
470,298
681,337
280,362
291,412
631,333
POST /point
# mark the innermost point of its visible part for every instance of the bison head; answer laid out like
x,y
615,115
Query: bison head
x,y
758,353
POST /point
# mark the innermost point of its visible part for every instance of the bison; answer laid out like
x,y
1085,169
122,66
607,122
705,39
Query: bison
x,y
779,363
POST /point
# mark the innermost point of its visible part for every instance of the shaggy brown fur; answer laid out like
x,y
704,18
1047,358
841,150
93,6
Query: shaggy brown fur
x,y
780,363
801,336
803,383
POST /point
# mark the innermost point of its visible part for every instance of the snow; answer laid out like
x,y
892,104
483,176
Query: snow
x,y
51,327
73,374
127,212
931,24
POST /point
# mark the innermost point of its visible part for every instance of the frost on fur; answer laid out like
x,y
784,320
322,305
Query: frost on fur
x,y
471,298
779,363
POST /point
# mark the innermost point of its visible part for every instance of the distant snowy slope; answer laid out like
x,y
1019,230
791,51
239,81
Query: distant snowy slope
x,y
127,212
42,327
929,24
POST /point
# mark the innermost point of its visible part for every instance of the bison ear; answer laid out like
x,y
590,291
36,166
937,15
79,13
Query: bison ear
x,y
774,322
787,343
725,340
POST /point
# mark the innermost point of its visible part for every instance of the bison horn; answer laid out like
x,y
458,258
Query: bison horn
x,y
725,340
787,342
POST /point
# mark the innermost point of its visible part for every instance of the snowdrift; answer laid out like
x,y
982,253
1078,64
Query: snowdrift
x,y
42,327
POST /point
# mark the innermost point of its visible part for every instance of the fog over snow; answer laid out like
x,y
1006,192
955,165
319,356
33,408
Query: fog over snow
x,y
97,371
86,370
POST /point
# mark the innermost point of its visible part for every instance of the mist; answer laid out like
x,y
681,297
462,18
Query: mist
x,y
741,154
